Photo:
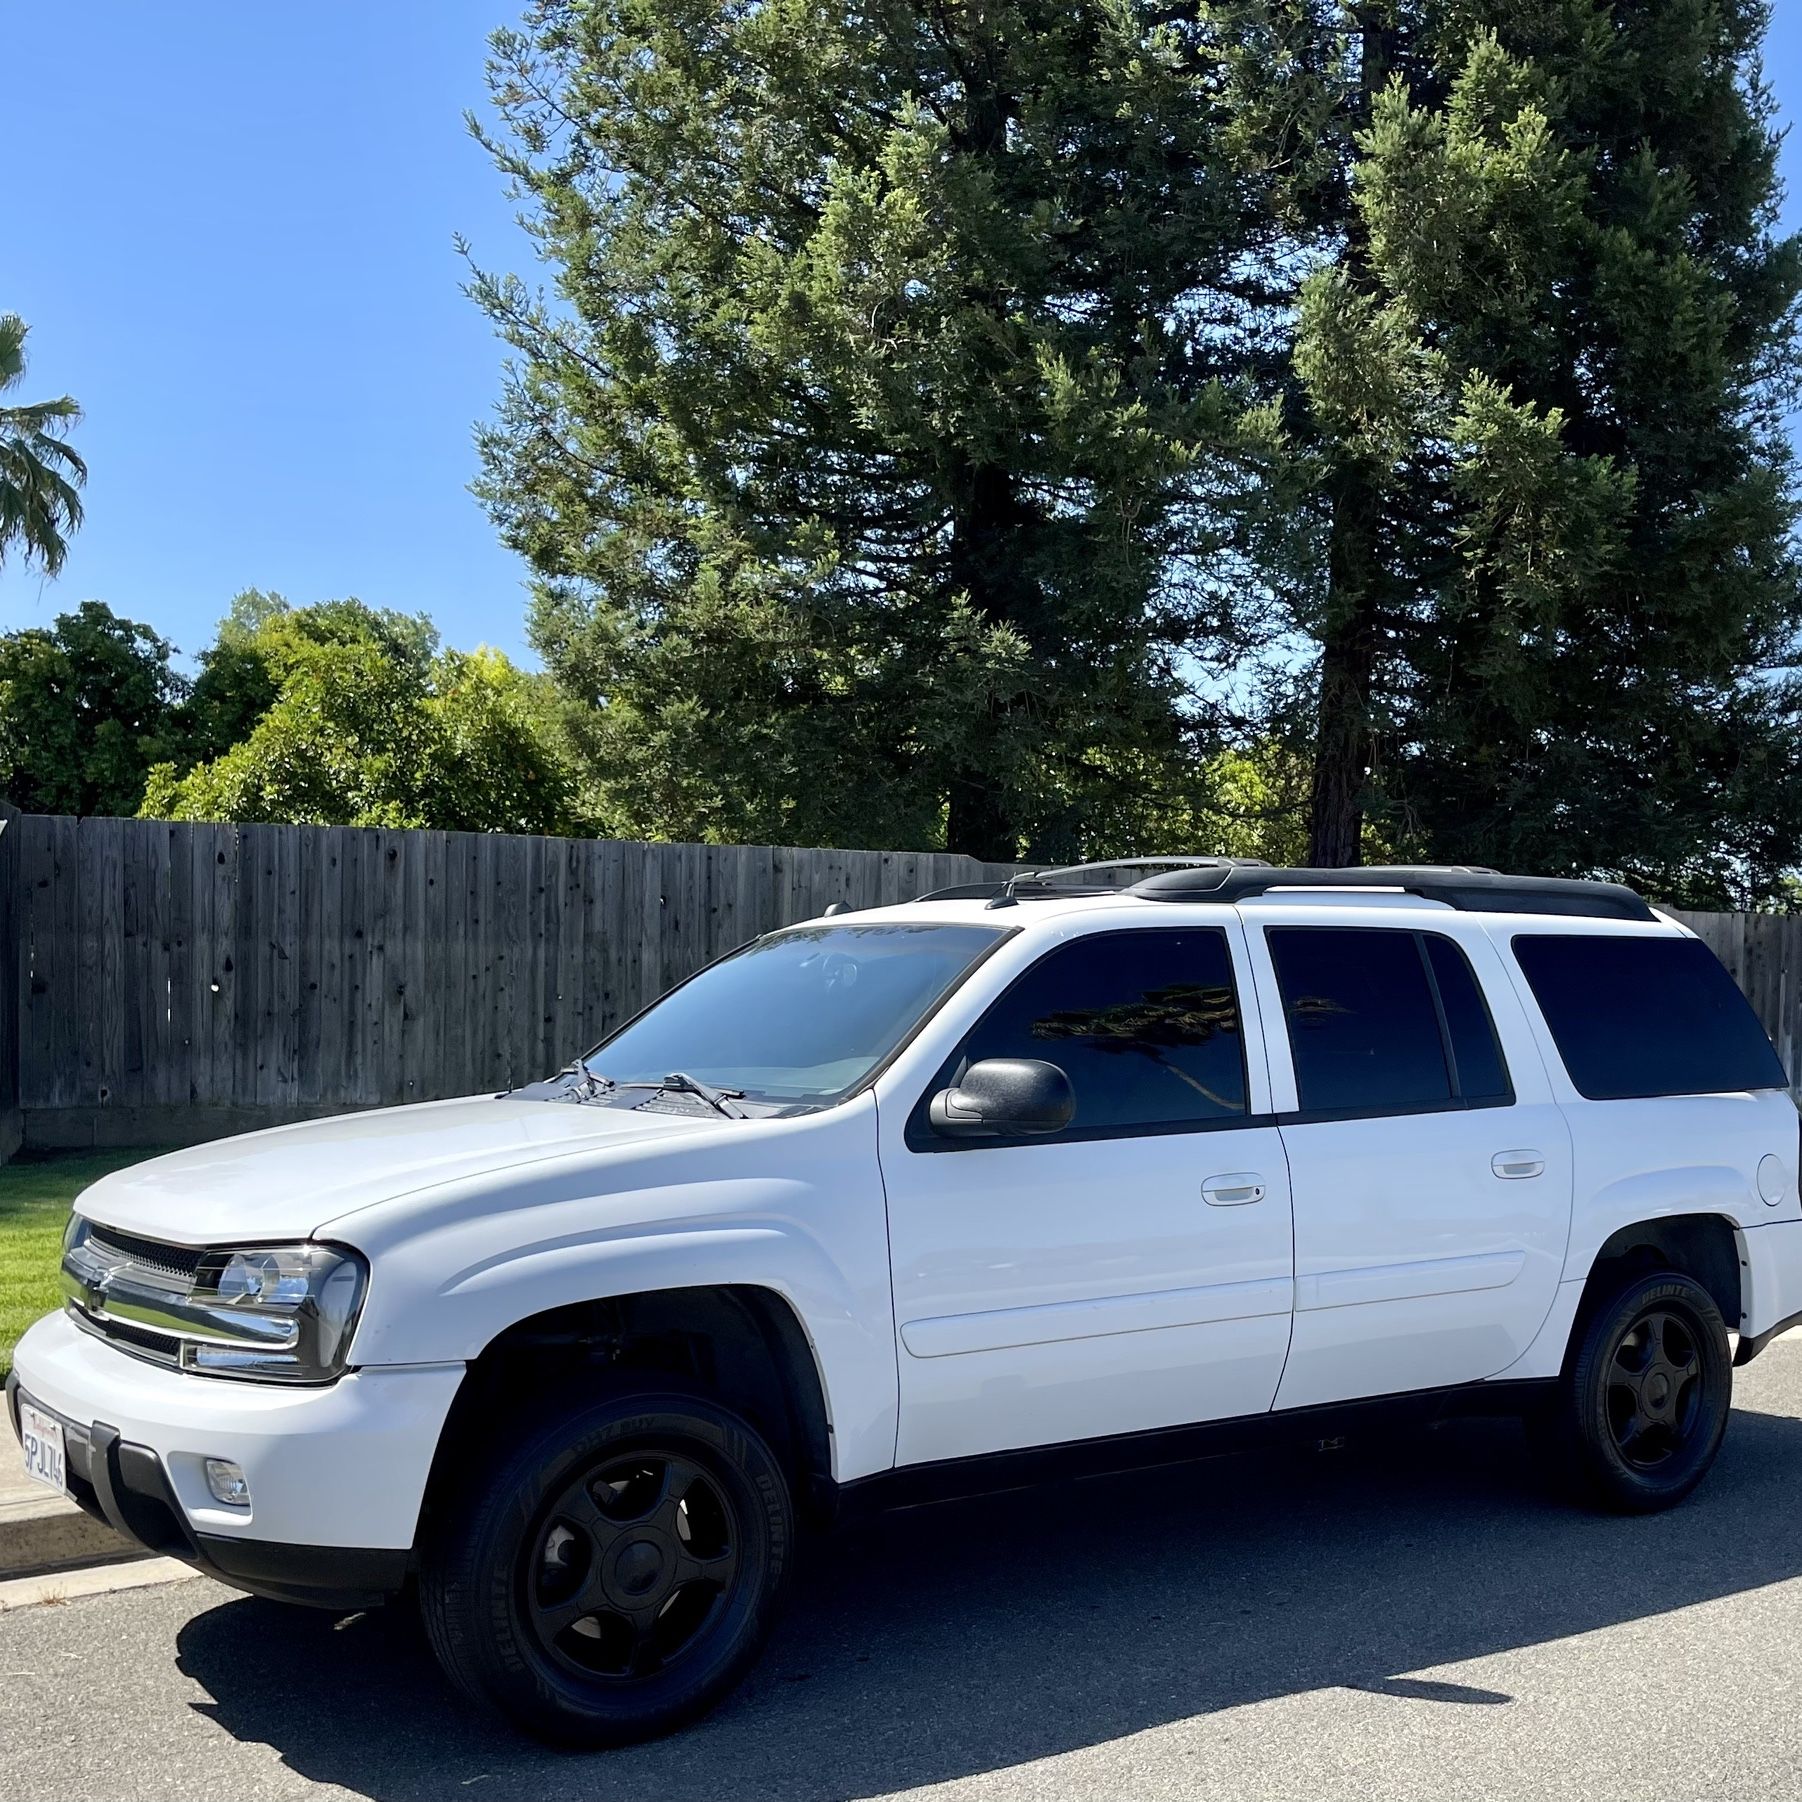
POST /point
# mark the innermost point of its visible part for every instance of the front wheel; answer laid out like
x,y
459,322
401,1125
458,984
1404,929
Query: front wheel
x,y
616,1573
1644,1403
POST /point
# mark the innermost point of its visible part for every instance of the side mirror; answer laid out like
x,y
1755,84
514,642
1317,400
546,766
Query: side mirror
x,y
1002,1096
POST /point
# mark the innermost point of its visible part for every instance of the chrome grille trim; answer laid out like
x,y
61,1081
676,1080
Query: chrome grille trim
x,y
106,1281
177,1262
138,1342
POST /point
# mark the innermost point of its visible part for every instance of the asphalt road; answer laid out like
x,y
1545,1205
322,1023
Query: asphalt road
x,y
1400,1620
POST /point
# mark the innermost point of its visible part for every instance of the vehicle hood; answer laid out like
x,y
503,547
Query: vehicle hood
x,y
286,1182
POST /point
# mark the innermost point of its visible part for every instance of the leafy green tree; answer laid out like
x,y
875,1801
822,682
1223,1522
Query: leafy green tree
x,y
40,475
1541,378
237,683
86,706
260,639
875,452
367,724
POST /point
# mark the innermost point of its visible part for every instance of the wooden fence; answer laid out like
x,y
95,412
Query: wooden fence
x,y
12,1123
176,982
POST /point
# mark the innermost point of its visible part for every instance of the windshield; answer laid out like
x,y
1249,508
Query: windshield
x,y
800,1017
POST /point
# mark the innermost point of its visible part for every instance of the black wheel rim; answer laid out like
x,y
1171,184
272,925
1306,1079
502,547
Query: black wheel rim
x,y
1656,1384
631,1569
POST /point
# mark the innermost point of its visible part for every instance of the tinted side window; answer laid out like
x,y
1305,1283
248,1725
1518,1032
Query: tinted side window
x,y
1363,1030
1145,1025
1476,1052
1646,1016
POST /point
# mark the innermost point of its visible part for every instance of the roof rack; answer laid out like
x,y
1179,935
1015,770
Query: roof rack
x,y
962,891
1472,888
1042,883
1468,887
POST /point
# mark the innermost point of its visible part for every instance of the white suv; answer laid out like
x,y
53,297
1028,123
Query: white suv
x,y
926,1198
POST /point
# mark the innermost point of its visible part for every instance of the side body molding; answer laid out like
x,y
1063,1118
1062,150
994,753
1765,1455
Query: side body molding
x,y
1401,1282
1094,1319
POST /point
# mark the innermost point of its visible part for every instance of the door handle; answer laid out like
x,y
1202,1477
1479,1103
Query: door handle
x,y
1235,1191
1511,1166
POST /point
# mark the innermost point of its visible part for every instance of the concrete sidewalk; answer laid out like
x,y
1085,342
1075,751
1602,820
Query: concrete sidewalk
x,y
42,1531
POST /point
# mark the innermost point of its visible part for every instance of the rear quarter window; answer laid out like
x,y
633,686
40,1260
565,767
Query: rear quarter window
x,y
1638,1017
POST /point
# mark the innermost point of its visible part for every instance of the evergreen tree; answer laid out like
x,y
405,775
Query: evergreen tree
x,y
872,453
1543,376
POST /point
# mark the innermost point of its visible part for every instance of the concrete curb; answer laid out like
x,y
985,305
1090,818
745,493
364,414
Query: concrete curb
x,y
91,1580
44,1532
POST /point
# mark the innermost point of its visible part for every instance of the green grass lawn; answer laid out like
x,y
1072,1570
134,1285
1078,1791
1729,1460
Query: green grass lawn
x,y
35,1196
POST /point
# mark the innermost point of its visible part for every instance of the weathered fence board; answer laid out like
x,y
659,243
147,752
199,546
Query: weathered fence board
x,y
173,982
178,981
11,1120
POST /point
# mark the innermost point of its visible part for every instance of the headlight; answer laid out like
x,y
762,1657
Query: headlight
x,y
276,1313
314,1291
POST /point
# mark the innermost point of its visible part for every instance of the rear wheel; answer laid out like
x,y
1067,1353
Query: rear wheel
x,y
1644,1403
617,1573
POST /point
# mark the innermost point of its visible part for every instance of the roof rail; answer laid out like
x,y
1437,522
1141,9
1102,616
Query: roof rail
x,y
1038,882
1041,883
1468,887
963,891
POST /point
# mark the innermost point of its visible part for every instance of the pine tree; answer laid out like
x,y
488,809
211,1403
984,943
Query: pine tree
x,y
1548,362
872,453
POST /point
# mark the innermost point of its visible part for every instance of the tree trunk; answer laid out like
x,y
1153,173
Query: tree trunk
x,y
1348,647
987,524
985,564
977,823
1347,665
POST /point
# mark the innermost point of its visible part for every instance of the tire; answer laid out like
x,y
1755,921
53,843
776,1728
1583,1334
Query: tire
x,y
1644,1400
616,1573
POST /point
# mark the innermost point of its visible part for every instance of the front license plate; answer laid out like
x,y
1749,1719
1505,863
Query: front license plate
x,y
42,1435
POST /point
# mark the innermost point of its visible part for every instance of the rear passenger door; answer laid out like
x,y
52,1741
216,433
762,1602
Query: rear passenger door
x,y
1429,1163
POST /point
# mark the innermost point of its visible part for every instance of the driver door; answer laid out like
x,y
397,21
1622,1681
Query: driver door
x,y
1129,1272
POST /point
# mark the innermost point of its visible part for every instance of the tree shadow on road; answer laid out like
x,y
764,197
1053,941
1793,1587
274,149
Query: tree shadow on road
x,y
970,1637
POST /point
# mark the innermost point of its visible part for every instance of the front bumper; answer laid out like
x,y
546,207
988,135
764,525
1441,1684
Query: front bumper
x,y
336,1474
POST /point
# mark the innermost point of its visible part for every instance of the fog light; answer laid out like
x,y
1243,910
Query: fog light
x,y
228,1483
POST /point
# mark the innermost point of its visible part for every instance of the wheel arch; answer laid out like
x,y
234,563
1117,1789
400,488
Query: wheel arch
x,y
1705,1246
743,1344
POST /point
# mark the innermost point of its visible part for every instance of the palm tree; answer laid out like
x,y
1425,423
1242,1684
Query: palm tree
x,y
39,473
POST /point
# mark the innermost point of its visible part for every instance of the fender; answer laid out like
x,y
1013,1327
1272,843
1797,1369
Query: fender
x,y
797,1210
1551,1349
1717,1189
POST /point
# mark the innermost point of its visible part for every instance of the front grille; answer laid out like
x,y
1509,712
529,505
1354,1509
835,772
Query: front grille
x,y
140,1341
176,1262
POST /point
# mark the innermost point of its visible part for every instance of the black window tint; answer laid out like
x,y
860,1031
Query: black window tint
x,y
1363,1029
1145,1025
1482,1076
1646,1016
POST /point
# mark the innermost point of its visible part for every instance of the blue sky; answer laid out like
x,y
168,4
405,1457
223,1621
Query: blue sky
x,y
230,227
234,248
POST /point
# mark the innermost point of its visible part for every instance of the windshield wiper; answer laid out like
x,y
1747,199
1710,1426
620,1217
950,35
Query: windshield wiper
x,y
678,1082
594,1084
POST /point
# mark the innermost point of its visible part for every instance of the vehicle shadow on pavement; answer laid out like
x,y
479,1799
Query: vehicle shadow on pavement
x,y
970,1637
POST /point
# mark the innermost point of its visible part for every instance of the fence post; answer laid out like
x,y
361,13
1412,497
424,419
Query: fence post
x,y
11,975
